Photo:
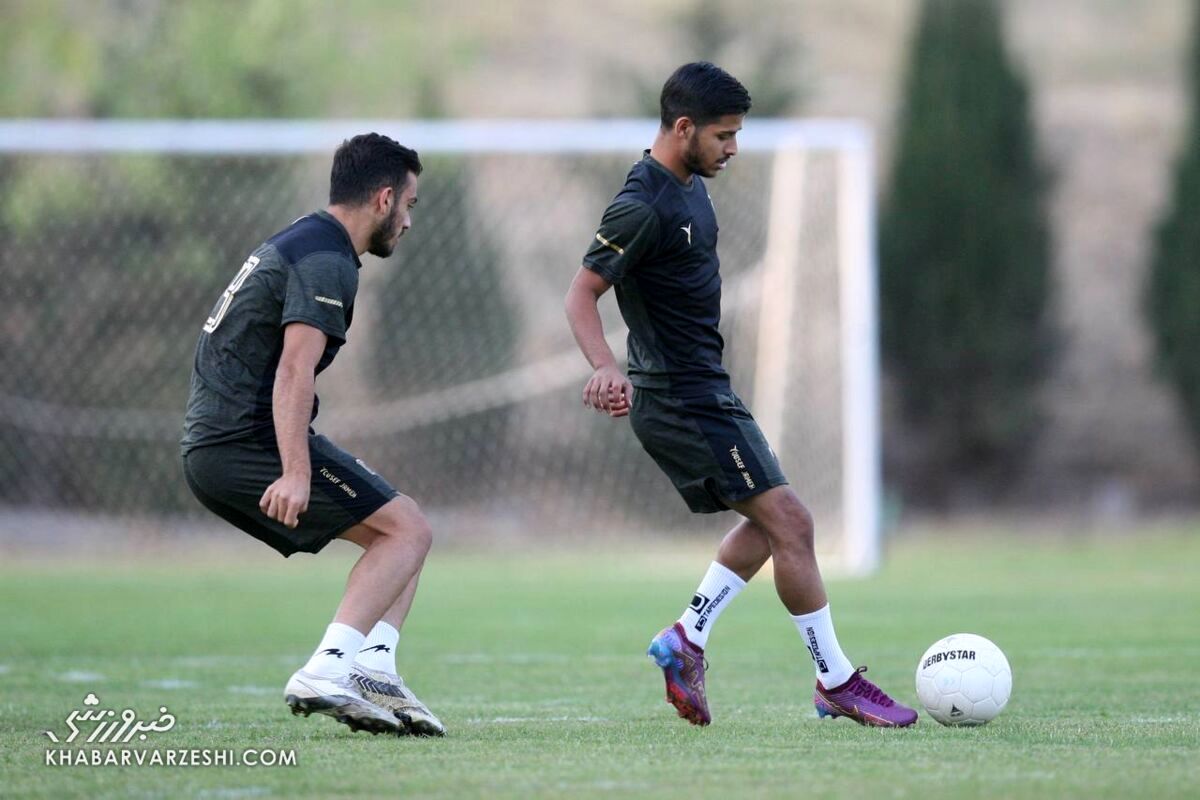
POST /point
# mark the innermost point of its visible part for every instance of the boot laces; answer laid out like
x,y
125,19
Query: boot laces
x,y
864,688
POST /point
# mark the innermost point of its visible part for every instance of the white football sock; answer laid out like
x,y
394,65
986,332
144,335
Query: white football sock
x,y
720,585
379,649
816,629
335,655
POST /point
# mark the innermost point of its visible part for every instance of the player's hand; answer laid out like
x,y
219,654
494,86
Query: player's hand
x,y
286,499
609,391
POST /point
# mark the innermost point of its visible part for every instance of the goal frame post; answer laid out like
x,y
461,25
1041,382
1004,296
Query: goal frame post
x,y
788,139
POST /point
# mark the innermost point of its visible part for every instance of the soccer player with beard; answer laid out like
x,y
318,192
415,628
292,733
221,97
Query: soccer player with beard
x,y
657,244
250,456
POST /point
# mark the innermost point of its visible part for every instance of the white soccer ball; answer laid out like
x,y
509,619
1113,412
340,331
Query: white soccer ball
x,y
964,679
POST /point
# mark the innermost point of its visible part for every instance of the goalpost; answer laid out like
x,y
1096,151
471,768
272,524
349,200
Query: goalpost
x,y
461,382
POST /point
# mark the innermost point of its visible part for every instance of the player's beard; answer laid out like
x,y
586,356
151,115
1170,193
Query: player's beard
x,y
383,238
693,157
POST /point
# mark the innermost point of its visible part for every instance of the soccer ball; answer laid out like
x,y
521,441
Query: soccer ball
x,y
963,679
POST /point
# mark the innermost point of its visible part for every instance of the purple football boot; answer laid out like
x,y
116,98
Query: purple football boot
x,y
683,666
863,702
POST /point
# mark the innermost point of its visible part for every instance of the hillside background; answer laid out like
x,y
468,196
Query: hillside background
x,y
1106,77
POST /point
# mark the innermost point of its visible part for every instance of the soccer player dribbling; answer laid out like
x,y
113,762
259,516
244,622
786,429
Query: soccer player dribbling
x,y
657,244
250,456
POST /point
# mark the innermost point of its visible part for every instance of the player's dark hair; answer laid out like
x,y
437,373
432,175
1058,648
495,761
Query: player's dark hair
x,y
702,92
367,163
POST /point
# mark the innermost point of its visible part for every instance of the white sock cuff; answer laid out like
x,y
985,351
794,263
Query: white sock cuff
x,y
378,650
725,575
811,616
340,630
719,587
383,630
816,630
336,652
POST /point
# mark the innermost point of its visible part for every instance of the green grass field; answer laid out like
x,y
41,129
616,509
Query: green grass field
x,y
535,664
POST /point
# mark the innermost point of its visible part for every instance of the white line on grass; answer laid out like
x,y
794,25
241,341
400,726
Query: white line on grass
x,y
605,785
1091,653
79,676
170,683
505,658
540,719
530,658
244,791
221,661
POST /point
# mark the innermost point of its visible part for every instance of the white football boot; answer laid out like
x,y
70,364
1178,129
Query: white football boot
x,y
388,691
341,699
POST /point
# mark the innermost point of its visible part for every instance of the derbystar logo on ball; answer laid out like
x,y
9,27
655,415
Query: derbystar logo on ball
x,y
964,679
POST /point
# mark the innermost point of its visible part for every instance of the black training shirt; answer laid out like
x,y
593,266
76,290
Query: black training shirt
x,y
657,244
306,273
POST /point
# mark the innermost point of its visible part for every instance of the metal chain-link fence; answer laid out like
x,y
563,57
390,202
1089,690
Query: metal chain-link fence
x,y
460,381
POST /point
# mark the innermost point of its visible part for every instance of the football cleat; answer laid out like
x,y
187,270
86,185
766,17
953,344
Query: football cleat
x,y
338,698
388,691
683,667
863,702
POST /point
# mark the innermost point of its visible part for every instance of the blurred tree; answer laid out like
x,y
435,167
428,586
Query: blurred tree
x,y
164,233
1173,288
766,60
445,320
220,58
964,249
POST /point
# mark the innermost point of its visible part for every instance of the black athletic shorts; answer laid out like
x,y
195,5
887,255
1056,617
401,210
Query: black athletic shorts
x,y
710,447
230,478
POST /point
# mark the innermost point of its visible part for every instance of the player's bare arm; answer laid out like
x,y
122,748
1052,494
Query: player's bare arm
x,y
295,385
608,390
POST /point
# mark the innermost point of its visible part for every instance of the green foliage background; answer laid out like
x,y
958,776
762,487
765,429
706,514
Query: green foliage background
x,y
216,58
107,253
964,247
1173,288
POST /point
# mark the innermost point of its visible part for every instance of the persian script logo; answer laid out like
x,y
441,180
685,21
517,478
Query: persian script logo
x,y
111,727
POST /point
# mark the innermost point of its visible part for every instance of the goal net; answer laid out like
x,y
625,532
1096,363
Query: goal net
x,y
460,381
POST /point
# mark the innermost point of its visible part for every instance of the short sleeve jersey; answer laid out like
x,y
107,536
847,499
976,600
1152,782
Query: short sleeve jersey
x,y
657,245
306,273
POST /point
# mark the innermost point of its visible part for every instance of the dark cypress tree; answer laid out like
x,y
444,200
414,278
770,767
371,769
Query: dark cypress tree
x,y
1173,290
964,248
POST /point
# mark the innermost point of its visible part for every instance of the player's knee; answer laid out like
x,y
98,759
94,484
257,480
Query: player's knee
x,y
792,523
415,528
402,518
422,535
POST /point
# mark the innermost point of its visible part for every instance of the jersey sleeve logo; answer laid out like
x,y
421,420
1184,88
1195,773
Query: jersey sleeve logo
x,y
619,250
333,301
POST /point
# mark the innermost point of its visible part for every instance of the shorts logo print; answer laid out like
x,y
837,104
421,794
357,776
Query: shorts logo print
x,y
336,481
741,465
